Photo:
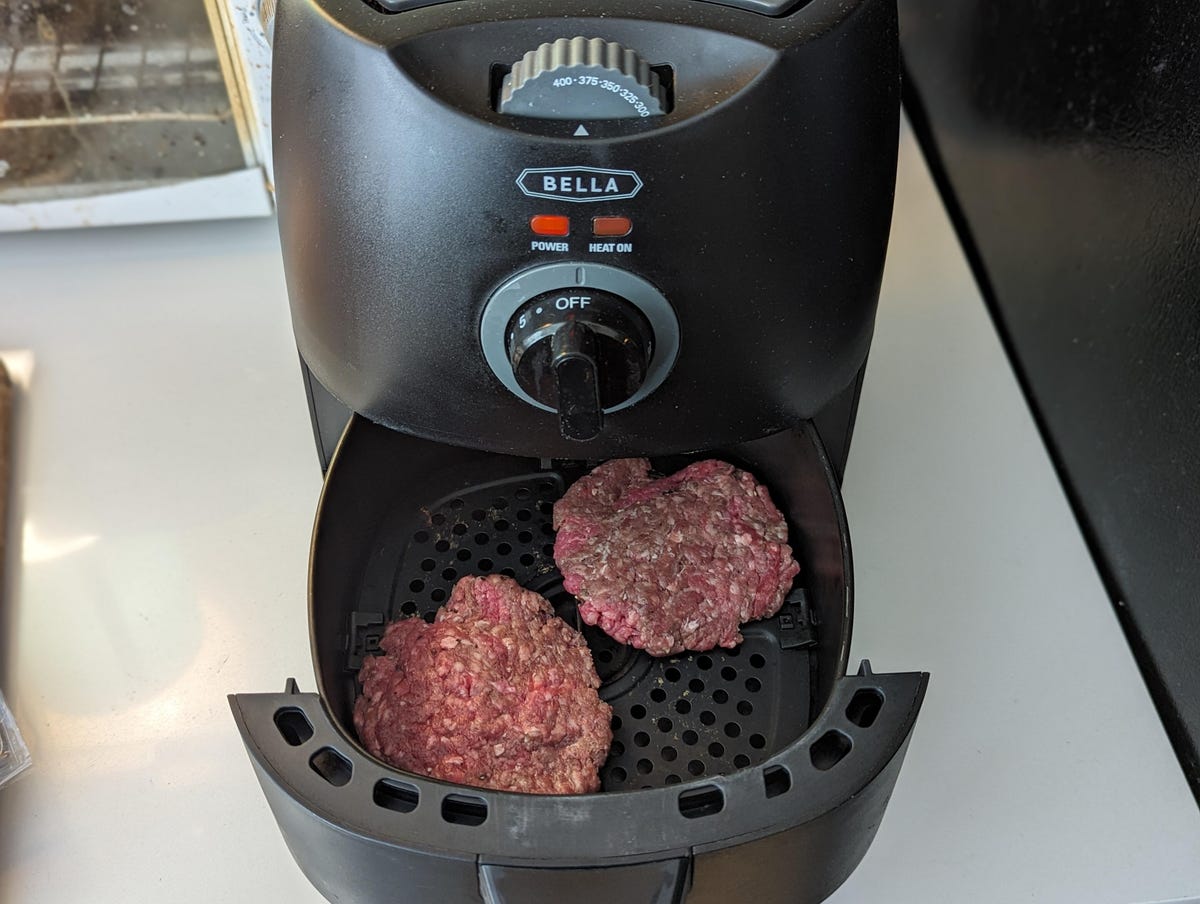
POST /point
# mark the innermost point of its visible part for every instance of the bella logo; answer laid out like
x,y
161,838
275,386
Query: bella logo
x,y
579,183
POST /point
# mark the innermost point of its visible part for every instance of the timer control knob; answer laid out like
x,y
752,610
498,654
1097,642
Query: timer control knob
x,y
580,352
584,79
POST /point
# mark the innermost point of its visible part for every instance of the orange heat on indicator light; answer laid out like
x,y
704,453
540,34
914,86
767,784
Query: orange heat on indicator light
x,y
549,224
612,226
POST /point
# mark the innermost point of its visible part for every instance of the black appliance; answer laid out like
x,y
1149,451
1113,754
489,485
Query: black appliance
x,y
524,236
1065,138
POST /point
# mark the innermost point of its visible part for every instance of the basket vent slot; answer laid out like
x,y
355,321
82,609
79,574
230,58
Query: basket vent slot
x,y
331,766
399,796
464,810
293,725
707,800
829,749
776,781
864,707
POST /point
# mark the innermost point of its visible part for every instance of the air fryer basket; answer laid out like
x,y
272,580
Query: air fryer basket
x,y
717,753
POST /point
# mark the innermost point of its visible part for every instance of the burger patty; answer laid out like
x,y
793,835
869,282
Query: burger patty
x,y
676,563
498,693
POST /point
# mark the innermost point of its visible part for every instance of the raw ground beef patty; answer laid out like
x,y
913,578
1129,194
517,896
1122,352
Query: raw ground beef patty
x,y
672,564
498,693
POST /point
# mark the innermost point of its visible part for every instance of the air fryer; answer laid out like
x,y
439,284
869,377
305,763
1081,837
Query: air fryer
x,y
522,237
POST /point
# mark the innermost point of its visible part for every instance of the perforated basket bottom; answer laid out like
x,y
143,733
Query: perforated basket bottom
x,y
674,719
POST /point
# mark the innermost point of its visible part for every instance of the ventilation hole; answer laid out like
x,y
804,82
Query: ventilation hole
x,y
438,595
485,564
524,515
864,707
456,504
478,514
695,767
647,787
729,673
421,536
527,559
753,685
464,810
508,572
430,616
293,725
689,737
525,537
438,519
617,774
829,749
745,707
463,555
641,739
732,730
548,549
449,574
741,761
459,529
545,507
409,608
670,754
696,686
716,750
441,545
658,695
757,741
704,662
605,656
331,766
428,564
683,707
703,801
617,749
672,674
758,660
719,696
503,549
707,718
501,525
482,539
776,780
500,503
673,779
522,493
665,724
734,653
637,711
546,486
548,529
644,767
615,723
399,796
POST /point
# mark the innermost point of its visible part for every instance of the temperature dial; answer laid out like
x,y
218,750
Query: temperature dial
x,y
583,79
579,351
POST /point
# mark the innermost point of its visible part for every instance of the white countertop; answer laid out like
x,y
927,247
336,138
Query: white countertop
x,y
167,482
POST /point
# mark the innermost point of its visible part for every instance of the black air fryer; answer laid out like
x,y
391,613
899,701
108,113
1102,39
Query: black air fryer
x,y
525,236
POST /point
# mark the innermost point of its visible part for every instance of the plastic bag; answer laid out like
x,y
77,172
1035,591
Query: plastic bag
x,y
14,755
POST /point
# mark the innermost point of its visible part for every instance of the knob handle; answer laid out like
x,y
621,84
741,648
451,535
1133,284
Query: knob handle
x,y
576,376
582,78
579,351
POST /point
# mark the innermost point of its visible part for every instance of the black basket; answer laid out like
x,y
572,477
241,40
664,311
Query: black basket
x,y
758,773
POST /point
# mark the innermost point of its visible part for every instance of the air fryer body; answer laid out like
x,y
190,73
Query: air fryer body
x,y
760,207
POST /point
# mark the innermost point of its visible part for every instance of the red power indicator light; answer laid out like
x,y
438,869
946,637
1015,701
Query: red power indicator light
x,y
549,224
613,227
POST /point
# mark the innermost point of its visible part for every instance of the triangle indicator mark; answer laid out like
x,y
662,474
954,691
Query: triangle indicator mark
x,y
581,132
